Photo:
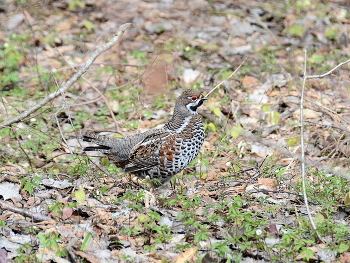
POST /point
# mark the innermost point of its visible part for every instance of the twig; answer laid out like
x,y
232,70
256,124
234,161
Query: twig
x,y
303,149
71,81
328,72
234,72
25,212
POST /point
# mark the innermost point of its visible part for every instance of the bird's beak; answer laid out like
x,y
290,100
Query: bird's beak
x,y
204,98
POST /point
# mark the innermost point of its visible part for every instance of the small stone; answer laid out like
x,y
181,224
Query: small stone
x,y
326,255
15,21
190,75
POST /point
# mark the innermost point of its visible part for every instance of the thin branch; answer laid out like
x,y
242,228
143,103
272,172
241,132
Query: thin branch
x,y
25,212
71,81
303,173
234,72
328,72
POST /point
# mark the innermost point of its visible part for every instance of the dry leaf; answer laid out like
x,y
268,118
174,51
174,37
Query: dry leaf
x,y
308,114
269,183
248,81
12,169
344,258
189,254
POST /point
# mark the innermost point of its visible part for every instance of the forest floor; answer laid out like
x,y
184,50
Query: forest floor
x,y
241,199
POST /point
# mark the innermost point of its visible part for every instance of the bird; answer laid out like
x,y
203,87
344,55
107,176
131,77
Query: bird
x,y
160,153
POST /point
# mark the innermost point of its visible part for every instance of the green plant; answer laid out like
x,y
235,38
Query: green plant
x,y
29,184
79,166
73,4
294,242
130,231
26,254
326,190
136,201
50,241
10,58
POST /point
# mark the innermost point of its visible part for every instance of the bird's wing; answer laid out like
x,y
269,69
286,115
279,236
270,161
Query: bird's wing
x,y
146,154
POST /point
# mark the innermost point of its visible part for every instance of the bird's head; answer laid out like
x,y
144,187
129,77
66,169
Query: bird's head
x,y
191,99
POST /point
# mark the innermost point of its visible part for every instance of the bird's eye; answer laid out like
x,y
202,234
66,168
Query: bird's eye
x,y
193,98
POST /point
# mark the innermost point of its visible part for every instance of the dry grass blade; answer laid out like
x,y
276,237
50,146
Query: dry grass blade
x,y
234,72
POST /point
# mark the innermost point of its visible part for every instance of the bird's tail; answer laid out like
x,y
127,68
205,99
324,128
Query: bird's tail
x,y
104,143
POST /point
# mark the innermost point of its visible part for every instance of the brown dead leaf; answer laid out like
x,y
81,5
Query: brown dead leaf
x,y
86,256
189,254
319,84
269,183
344,258
308,114
155,78
13,169
242,188
221,164
66,24
248,81
65,49
214,173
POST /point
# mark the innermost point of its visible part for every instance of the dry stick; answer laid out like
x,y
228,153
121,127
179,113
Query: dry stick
x,y
25,212
234,72
328,72
303,150
71,81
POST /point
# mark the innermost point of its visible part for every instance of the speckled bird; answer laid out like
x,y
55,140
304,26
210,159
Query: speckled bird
x,y
157,153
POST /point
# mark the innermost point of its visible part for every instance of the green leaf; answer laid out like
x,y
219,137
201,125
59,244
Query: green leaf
x,y
80,196
212,126
89,25
297,30
86,241
292,141
42,239
347,199
307,253
317,59
104,161
331,33
4,132
342,248
303,3
235,131
318,218
266,108
274,117
217,112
